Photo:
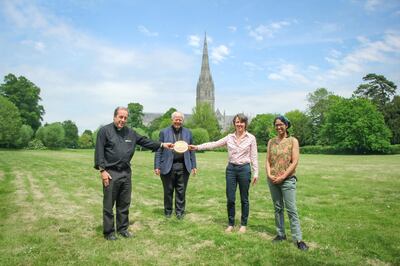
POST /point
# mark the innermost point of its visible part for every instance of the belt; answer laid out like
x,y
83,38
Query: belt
x,y
238,165
118,168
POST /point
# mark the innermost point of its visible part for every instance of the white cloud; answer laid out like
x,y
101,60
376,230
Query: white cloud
x,y
252,66
232,28
80,74
275,76
371,5
267,31
380,51
194,40
289,72
147,32
36,45
219,53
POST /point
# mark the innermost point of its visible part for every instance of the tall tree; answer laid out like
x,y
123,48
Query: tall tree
x,y
71,134
157,123
10,122
261,127
204,117
25,95
318,105
135,118
301,126
392,118
356,124
52,135
378,89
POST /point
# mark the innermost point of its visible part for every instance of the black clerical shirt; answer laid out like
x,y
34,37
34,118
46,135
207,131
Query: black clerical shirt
x,y
115,148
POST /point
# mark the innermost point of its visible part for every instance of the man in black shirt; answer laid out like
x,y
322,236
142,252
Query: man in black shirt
x,y
115,147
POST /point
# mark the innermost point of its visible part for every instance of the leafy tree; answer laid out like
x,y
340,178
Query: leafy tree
x,y
71,134
392,118
36,144
25,95
156,123
301,126
317,108
10,122
86,140
200,135
204,117
155,135
378,89
356,125
24,137
52,135
261,127
135,118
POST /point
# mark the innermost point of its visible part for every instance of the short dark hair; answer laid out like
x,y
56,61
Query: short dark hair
x,y
120,108
242,118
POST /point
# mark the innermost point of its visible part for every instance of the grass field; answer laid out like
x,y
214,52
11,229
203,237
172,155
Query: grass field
x,y
51,213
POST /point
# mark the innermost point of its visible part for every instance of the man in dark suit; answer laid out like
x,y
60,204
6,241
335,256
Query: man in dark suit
x,y
174,167
115,147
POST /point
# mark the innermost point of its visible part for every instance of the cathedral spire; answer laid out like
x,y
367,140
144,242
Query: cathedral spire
x,y
205,85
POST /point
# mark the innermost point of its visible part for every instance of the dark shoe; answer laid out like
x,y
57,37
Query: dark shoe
x,y
126,234
180,216
167,216
278,238
110,236
302,246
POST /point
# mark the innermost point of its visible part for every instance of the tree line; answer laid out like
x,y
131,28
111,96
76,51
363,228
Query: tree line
x,y
366,122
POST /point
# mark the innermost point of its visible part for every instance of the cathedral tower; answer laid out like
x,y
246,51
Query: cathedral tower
x,y
205,85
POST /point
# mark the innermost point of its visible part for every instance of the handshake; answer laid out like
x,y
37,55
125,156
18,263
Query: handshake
x,y
179,146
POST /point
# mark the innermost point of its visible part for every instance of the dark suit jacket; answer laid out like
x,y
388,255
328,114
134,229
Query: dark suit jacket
x,y
163,158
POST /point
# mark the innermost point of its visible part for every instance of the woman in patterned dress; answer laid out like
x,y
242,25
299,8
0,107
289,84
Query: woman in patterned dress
x,y
281,163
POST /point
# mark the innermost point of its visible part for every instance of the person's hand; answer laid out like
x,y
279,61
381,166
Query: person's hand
x,y
271,177
192,147
168,145
105,176
194,171
157,171
278,179
255,178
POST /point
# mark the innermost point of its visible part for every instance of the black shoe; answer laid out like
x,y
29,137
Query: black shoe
x,y
126,234
180,216
110,236
167,216
279,238
302,246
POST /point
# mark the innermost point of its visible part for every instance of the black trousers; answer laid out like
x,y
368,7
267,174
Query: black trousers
x,y
175,181
238,174
118,192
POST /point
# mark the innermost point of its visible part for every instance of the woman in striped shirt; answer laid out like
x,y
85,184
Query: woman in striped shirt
x,y
242,158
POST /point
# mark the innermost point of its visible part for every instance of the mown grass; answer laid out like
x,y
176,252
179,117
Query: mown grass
x,y
51,204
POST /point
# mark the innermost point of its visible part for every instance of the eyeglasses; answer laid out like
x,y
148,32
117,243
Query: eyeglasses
x,y
279,125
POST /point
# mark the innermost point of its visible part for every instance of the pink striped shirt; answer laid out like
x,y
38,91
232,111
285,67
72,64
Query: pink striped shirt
x,y
239,151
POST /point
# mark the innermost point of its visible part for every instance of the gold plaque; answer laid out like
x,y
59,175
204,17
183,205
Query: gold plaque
x,y
181,146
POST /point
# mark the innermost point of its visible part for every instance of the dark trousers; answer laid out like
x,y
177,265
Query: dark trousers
x,y
238,174
118,192
175,181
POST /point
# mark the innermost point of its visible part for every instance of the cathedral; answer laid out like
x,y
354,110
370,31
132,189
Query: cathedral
x,y
204,93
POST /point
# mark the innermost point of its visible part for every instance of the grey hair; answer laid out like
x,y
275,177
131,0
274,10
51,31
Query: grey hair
x,y
177,113
120,108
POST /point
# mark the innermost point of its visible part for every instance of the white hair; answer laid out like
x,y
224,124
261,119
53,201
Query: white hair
x,y
176,113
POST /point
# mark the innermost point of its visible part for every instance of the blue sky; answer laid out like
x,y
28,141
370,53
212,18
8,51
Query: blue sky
x,y
90,56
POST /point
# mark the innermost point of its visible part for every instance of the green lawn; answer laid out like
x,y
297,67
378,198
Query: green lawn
x,y
51,213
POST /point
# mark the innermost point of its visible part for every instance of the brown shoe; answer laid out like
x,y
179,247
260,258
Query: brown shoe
x,y
229,229
242,229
